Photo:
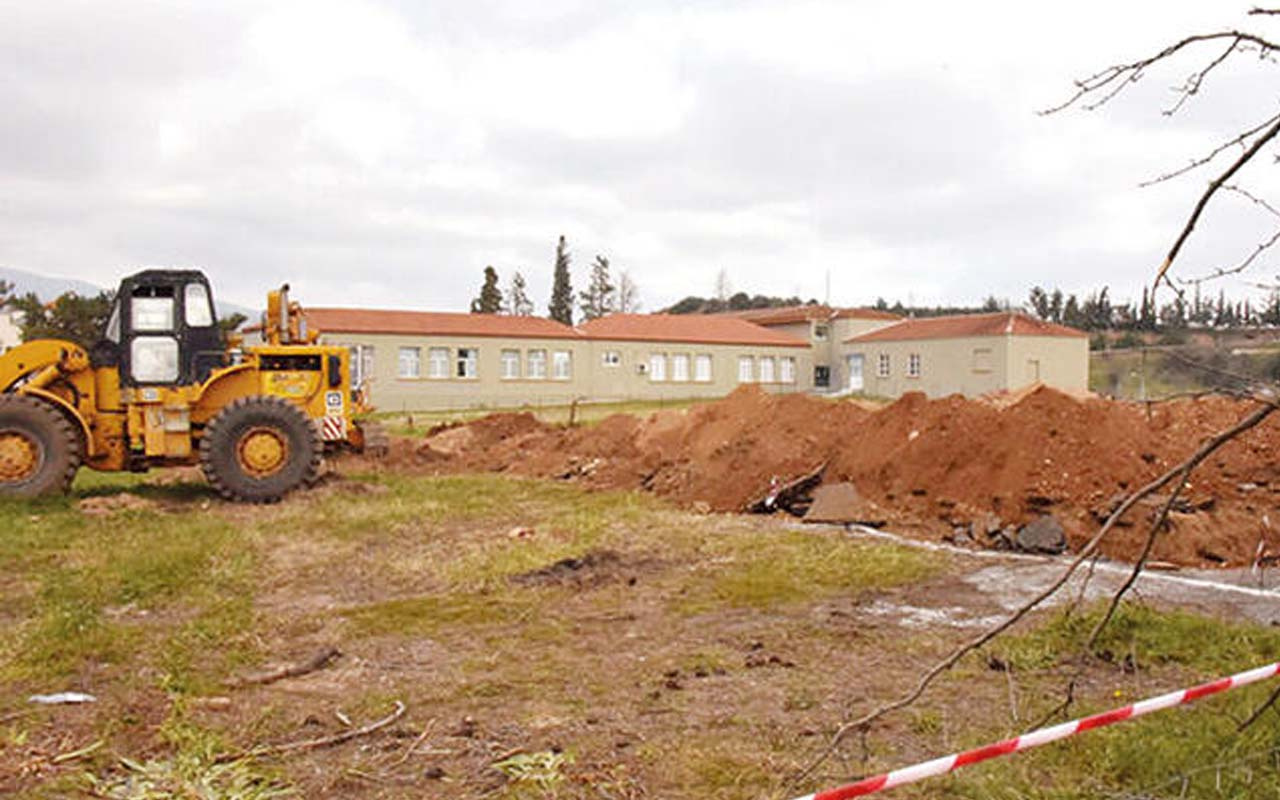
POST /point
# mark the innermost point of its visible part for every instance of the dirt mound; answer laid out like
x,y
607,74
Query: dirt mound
x,y
939,464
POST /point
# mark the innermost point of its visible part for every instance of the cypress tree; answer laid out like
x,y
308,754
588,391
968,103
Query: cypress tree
x,y
561,306
490,299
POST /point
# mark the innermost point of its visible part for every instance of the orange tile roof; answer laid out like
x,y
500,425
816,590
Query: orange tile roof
x,y
690,328
967,325
789,315
435,323
866,313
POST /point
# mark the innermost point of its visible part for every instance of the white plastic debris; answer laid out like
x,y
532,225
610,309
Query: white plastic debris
x,y
62,698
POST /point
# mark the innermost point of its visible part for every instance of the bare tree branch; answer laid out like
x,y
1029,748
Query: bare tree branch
x,y
1204,451
1213,188
1260,710
1114,79
1196,163
1179,472
1192,85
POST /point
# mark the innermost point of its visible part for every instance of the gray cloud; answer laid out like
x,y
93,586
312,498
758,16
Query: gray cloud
x,y
383,153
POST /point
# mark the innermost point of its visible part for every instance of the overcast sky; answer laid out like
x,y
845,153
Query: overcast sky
x,y
382,153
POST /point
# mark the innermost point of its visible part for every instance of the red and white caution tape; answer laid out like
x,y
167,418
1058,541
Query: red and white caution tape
x,y
940,766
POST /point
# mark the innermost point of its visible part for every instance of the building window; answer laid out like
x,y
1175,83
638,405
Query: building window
x,y
361,364
537,365
913,365
702,367
438,363
658,367
410,366
746,364
510,364
882,365
767,369
821,333
680,367
562,365
467,362
822,377
787,369
982,359
611,358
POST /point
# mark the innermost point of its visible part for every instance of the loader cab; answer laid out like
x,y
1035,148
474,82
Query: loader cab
x,y
162,330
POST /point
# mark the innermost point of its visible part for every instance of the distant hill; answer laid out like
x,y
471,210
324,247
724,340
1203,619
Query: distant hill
x,y
48,287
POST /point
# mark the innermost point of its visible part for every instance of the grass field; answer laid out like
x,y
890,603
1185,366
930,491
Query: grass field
x,y
409,423
546,642
1135,375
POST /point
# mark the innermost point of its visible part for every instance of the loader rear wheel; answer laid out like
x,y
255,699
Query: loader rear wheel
x,y
39,448
258,449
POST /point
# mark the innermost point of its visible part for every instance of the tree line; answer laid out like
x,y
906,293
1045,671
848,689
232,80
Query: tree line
x,y
1096,311
601,296
74,317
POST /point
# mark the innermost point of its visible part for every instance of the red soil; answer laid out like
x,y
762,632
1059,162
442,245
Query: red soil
x,y
936,464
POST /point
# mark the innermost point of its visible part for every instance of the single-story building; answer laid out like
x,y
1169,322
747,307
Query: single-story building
x,y
654,356
421,360
970,354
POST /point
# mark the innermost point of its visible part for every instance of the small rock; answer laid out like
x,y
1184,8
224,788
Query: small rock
x,y
701,507
1042,535
985,526
520,532
433,773
466,729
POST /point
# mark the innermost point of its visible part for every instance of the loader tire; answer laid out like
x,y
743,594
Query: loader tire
x,y
40,450
260,448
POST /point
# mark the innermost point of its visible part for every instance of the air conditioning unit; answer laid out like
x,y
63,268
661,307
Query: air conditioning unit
x,y
642,369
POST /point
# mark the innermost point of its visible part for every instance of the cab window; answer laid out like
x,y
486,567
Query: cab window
x,y
196,306
113,323
151,308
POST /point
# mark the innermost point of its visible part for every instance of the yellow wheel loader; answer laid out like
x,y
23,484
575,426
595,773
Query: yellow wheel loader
x,y
164,387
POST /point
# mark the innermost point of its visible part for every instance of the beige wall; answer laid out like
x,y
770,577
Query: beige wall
x,y
391,392
841,330
634,379
591,377
828,352
975,366
1059,361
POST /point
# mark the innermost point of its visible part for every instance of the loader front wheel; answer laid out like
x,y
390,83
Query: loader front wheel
x,y
258,449
39,449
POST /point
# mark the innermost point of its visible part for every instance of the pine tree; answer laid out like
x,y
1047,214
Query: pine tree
x,y
598,298
518,303
1071,316
628,294
561,306
490,299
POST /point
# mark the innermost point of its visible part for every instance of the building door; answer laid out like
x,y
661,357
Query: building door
x,y
855,372
1033,370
